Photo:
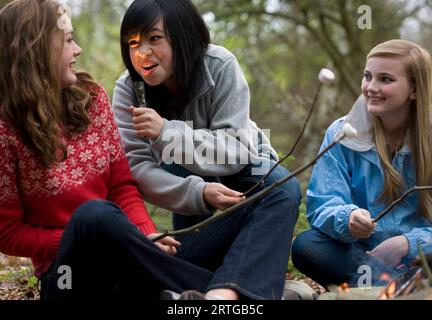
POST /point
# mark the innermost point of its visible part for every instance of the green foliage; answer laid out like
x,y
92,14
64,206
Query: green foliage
x,y
97,30
3,3
161,217
302,223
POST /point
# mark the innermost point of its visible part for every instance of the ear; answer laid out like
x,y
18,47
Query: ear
x,y
412,95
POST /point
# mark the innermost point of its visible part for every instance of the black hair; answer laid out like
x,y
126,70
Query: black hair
x,y
189,38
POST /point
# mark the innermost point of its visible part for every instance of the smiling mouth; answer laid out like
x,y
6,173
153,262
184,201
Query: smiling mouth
x,y
148,68
376,99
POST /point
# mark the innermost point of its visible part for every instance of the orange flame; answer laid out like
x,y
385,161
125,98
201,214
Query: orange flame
x,y
385,277
389,291
391,288
344,287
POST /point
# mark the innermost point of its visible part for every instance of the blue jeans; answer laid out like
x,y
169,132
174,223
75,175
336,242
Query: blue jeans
x,y
329,261
247,250
110,258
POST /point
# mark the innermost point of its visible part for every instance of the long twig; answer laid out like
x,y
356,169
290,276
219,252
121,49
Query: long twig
x,y
406,287
315,99
257,196
400,199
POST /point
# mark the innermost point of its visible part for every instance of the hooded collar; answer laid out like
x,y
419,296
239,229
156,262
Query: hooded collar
x,y
362,121
207,83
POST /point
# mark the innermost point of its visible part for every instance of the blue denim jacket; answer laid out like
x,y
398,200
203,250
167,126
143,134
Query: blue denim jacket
x,y
350,176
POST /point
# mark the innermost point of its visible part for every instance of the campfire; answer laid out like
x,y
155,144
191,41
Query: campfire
x,y
414,284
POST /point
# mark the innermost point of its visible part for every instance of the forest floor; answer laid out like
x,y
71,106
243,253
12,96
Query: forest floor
x,y
17,281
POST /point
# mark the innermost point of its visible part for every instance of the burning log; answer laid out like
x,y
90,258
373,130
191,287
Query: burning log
x,y
412,285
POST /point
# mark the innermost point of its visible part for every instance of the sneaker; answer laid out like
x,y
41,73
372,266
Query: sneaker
x,y
169,295
192,295
297,290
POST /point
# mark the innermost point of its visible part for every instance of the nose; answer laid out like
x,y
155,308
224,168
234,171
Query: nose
x,y
372,86
145,50
77,50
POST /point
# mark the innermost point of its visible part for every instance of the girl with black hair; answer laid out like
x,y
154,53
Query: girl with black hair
x,y
194,149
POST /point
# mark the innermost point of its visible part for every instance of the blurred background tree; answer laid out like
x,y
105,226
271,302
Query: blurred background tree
x,y
281,46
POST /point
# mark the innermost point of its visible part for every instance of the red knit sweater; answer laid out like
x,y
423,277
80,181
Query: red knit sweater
x,y
36,203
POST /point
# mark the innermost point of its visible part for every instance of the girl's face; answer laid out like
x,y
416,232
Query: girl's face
x,y
69,51
387,89
152,56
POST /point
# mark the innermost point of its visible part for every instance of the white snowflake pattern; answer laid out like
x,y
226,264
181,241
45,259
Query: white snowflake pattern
x,y
10,167
86,156
35,174
98,150
113,150
106,145
71,150
77,173
93,138
53,183
81,145
73,162
5,181
26,185
109,126
61,167
101,162
98,121
27,153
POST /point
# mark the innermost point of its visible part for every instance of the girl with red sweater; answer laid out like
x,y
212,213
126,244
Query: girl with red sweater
x,y
67,196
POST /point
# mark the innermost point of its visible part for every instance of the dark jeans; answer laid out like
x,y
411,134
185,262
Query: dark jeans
x,y
329,261
247,250
110,258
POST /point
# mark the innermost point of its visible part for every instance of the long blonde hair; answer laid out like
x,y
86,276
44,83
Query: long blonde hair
x,y
417,62
32,99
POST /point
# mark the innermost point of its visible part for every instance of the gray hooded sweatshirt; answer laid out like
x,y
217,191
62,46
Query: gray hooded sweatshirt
x,y
213,137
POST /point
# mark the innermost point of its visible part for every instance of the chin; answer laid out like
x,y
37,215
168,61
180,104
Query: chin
x,y
374,110
68,82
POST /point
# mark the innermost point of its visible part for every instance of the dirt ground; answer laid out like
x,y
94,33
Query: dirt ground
x,y
17,281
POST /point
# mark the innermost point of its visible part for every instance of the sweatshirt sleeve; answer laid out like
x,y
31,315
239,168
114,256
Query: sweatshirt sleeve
x,y
122,187
18,238
328,197
228,143
178,194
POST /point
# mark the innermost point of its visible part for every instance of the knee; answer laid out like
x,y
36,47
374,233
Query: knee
x,y
95,213
292,188
301,249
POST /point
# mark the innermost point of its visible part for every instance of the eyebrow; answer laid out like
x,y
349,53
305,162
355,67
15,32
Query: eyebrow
x,y
155,29
133,37
381,73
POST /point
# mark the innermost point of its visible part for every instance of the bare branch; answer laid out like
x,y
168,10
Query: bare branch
x,y
400,199
295,143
